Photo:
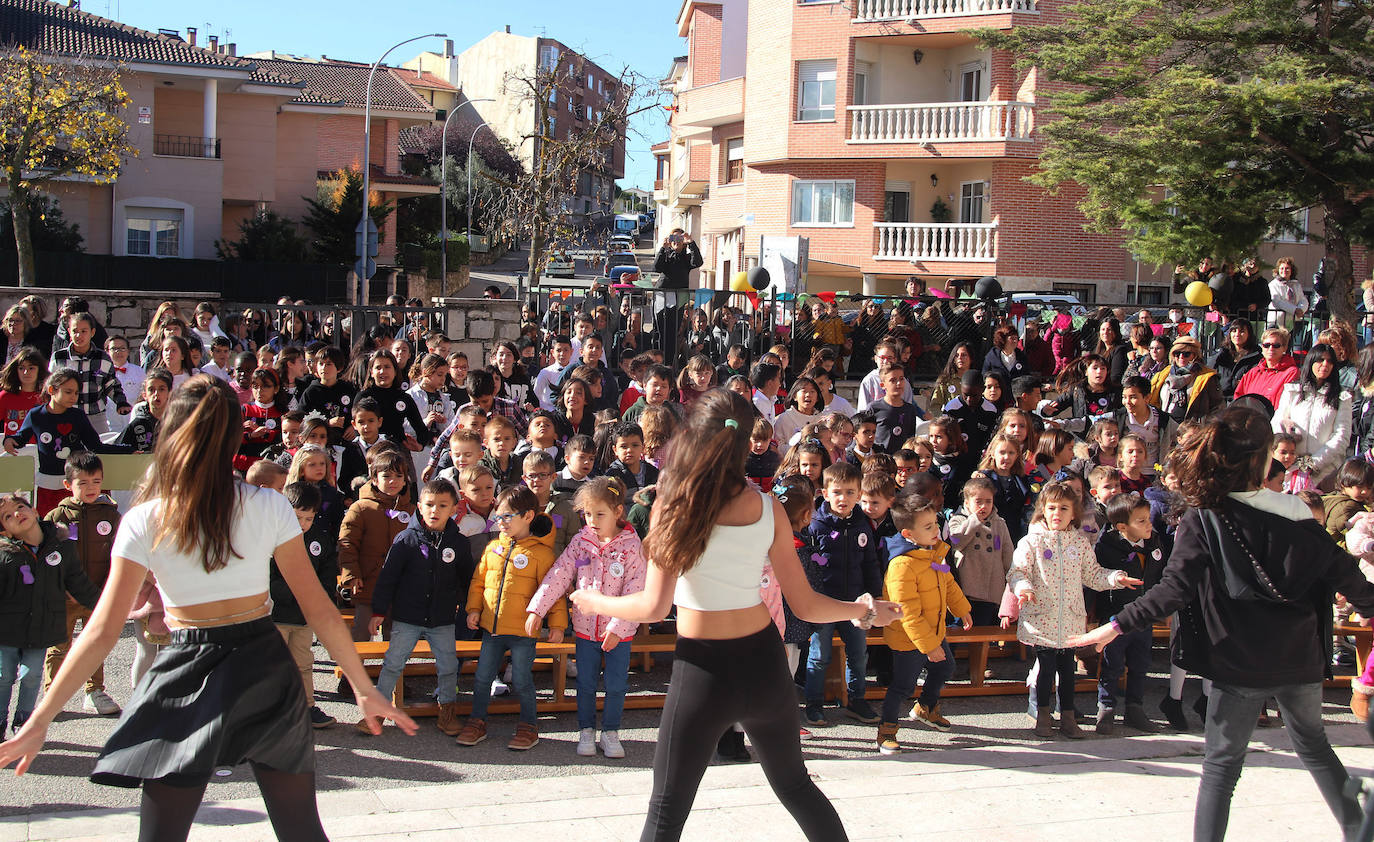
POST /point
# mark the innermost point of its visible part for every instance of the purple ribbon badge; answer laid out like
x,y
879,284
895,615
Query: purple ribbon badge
x,y
1049,554
954,539
582,562
997,542
834,535
557,521
27,573
424,550
939,566
71,532
820,559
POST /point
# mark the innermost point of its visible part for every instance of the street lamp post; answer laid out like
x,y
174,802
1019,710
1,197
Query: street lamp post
x,y
367,152
471,138
443,197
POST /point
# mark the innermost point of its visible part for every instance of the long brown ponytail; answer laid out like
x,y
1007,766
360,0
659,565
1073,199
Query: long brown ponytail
x,y
191,475
1225,453
704,471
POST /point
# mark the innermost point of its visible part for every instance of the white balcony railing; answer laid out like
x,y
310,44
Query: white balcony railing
x,y
872,10
936,241
937,122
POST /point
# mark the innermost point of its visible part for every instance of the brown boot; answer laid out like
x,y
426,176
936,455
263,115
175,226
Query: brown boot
x,y
1044,723
1359,698
887,738
474,731
448,719
1068,725
526,737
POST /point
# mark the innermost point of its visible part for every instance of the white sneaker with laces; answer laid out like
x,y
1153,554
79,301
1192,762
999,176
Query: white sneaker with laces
x,y
610,745
499,687
586,742
99,702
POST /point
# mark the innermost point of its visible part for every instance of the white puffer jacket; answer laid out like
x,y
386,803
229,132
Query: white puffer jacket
x,y
1325,430
1057,566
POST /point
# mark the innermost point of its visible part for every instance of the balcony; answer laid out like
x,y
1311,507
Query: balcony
x,y
702,108
181,146
951,241
941,122
867,11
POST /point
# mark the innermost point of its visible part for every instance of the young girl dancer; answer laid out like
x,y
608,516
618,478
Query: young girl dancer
x,y
225,691
709,538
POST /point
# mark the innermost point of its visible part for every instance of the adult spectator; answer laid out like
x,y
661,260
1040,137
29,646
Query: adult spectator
x,y
676,259
1155,360
41,331
1275,369
16,331
1139,339
1250,291
1006,357
1182,277
492,291
1251,574
1317,410
1039,355
1287,301
1111,346
1186,389
1239,352
71,305
869,327
634,337
1341,337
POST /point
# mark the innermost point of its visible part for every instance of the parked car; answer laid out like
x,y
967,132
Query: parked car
x,y
622,243
623,268
560,265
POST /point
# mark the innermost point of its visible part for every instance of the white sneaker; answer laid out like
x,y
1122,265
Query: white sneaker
x,y
586,742
571,671
610,745
98,701
499,687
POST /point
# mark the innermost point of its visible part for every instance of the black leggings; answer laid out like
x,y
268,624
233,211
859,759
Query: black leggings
x,y
715,684
1054,662
168,810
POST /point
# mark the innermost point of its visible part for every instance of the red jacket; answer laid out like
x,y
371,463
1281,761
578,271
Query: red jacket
x,y
14,406
1269,382
268,417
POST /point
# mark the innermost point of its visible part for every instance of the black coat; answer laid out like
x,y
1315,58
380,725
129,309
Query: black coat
x,y
1234,630
1146,562
34,589
677,265
321,545
1231,368
424,580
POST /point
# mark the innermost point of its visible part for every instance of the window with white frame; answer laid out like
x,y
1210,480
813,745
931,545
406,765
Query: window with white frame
x,y
734,160
818,203
971,82
863,82
548,57
816,90
972,201
897,201
153,232
1296,231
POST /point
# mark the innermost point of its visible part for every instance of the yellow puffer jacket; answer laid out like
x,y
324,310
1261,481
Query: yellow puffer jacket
x,y
925,593
507,577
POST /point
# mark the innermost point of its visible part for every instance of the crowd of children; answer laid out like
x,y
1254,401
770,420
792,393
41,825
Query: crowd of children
x,y
444,500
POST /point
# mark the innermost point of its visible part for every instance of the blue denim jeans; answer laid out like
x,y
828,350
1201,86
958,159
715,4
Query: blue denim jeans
x,y
1231,716
617,674
906,668
494,647
404,636
818,660
24,667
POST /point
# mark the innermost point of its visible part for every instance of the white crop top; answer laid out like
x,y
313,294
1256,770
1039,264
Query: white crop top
x,y
728,574
263,521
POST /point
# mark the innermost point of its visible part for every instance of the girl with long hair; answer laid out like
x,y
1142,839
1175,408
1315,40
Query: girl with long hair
x,y
709,537
383,384
225,691
1251,574
1239,352
1319,411
947,384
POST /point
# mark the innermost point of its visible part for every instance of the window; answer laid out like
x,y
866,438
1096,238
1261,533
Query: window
x,y
823,203
734,159
1086,293
153,232
971,82
972,198
1152,296
816,90
1297,233
863,73
548,57
897,202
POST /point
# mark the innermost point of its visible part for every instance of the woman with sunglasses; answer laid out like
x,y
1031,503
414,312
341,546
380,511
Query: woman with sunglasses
x,y
1275,369
1316,409
1187,388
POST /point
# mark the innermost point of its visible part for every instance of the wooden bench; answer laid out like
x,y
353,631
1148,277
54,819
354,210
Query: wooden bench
x,y
1364,641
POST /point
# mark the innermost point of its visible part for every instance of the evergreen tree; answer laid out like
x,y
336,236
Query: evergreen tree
x,y
266,237
333,218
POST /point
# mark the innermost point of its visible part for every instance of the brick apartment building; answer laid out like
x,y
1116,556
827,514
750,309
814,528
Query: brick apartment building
x,y
486,70
847,122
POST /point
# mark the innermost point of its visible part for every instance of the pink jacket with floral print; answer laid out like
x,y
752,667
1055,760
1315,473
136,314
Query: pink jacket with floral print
x,y
615,569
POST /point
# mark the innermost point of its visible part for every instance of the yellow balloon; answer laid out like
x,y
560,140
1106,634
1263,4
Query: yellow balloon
x,y
739,282
1198,294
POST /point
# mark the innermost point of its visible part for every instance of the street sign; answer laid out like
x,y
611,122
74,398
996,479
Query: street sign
x,y
365,270
365,246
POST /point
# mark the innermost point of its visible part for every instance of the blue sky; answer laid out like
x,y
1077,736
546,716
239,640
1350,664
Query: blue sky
x,y
638,35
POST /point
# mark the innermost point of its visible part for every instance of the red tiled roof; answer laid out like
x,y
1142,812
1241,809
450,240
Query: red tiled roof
x,y
46,27
661,146
345,83
422,79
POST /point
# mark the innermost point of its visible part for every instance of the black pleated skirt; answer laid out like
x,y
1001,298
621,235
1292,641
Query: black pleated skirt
x,y
213,697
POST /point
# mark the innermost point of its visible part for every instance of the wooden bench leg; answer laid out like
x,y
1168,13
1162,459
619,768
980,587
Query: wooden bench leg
x,y
560,678
977,663
1363,645
398,696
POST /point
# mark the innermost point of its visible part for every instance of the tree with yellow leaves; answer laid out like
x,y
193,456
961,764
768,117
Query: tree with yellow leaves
x,y
59,118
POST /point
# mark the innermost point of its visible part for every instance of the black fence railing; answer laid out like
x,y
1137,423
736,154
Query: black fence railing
x,y
343,325
186,146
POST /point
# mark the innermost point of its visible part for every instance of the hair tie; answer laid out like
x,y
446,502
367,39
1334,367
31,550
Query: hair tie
x,y
732,423
612,489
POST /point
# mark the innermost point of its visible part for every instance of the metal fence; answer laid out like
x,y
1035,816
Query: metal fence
x,y
260,281
343,325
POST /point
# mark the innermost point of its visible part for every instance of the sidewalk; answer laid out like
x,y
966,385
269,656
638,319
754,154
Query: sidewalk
x,y
1123,789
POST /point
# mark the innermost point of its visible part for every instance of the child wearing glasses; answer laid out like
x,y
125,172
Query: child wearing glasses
x,y
538,476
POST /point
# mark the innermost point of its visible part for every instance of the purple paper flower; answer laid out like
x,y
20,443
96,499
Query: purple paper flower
x,y
27,573
1049,554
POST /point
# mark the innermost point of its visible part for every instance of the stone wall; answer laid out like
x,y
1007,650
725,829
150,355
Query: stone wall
x,y
122,312
476,324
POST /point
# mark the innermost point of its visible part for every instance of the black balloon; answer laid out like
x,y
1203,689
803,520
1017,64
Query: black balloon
x,y
987,288
758,278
